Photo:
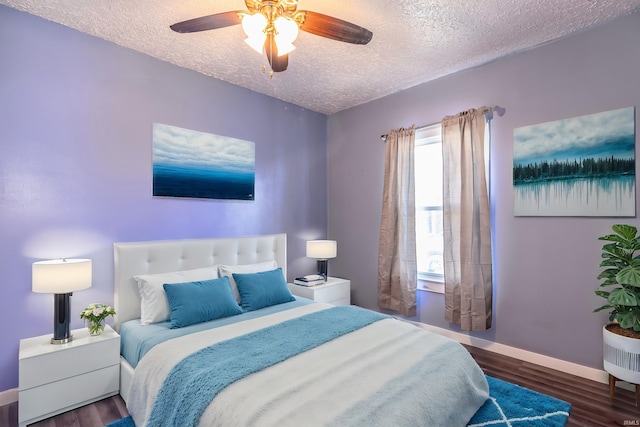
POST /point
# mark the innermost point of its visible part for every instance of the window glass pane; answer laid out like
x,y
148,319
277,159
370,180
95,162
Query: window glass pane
x,y
429,240
428,165
429,243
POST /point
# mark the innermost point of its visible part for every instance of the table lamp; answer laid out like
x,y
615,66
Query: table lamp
x,y
322,250
61,277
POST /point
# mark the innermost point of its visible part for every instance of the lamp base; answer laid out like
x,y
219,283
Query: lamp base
x,y
61,318
62,340
322,268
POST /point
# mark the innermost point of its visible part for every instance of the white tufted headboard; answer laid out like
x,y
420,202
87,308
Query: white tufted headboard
x,y
164,256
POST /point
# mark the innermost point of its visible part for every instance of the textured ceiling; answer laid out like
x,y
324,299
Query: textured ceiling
x,y
413,41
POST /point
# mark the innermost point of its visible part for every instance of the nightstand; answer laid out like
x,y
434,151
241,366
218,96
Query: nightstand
x,y
334,291
55,378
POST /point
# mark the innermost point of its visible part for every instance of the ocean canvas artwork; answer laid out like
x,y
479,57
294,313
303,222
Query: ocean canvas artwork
x,y
189,163
582,166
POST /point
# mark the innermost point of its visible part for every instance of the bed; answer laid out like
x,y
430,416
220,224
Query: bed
x,y
278,359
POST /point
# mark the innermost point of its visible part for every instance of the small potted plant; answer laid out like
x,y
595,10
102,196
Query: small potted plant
x,y
621,289
95,315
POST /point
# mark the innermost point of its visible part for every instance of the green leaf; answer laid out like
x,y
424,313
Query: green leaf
x,y
626,231
611,238
604,307
608,273
603,294
629,275
608,283
629,320
617,254
623,297
609,248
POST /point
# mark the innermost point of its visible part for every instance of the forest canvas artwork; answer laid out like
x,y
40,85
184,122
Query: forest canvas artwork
x,y
188,163
582,166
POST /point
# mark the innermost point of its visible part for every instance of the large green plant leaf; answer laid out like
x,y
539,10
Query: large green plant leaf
x,y
629,320
611,238
626,231
609,273
629,275
615,253
618,241
622,296
604,307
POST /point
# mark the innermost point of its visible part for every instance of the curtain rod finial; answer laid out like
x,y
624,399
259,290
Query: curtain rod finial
x,y
499,110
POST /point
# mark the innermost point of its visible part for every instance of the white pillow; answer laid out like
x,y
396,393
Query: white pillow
x,y
228,270
154,306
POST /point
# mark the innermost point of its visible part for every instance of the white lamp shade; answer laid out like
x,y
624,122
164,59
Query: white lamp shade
x,y
256,42
286,33
322,249
284,47
60,276
253,26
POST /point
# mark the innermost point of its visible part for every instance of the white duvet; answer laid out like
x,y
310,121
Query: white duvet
x,y
389,373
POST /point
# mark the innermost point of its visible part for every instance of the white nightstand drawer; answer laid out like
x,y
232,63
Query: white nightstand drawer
x,y
68,362
332,293
60,396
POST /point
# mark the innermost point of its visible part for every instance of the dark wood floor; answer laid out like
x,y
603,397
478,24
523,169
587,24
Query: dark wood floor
x,y
590,400
97,414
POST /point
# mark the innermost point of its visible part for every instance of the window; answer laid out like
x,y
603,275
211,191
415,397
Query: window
x,y
428,174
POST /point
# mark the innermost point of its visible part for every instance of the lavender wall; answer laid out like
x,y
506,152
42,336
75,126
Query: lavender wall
x,y
76,117
545,268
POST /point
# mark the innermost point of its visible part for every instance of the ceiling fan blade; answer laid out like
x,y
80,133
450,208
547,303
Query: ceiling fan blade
x,y
334,28
209,22
278,63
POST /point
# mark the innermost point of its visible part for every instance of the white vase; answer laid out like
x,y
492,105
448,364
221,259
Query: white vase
x,y
621,356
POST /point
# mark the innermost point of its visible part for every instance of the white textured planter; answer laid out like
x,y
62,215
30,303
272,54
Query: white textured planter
x,y
621,356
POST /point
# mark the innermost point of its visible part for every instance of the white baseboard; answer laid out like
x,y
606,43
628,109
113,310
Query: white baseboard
x,y
582,371
8,396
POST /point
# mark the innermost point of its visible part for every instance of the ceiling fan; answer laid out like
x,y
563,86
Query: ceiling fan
x,y
272,27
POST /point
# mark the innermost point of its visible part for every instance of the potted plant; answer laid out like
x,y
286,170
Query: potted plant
x,y
621,289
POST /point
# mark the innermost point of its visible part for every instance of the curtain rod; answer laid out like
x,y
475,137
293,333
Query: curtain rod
x,y
486,110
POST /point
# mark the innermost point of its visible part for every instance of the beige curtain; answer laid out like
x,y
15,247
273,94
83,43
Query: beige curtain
x,y
467,231
397,275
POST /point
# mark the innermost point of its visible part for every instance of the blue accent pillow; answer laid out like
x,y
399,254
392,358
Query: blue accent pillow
x,y
263,289
197,302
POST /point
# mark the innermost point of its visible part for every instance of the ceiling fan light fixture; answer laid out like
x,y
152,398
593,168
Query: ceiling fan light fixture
x,y
272,26
286,33
283,47
254,27
256,42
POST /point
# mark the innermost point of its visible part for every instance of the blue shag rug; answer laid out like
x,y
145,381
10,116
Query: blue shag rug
x,y
509,405
515,406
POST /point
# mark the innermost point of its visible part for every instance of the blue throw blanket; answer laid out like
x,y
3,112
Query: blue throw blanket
x,y
210,370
